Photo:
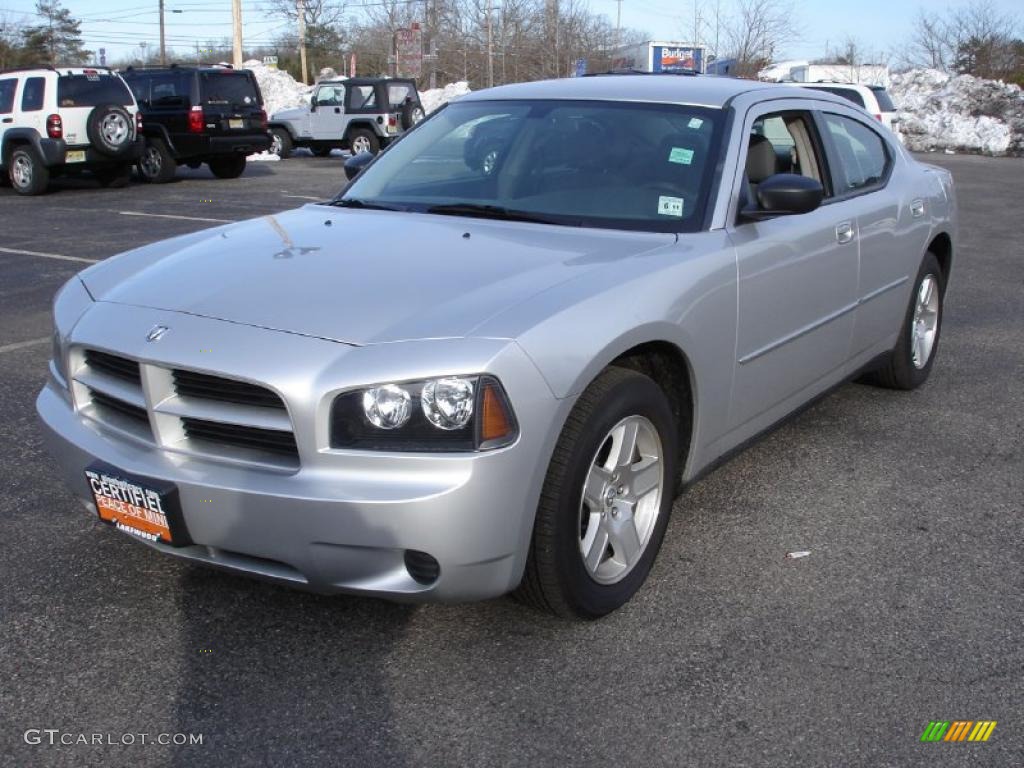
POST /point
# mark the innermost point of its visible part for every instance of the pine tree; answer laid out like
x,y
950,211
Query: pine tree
x,y
57,40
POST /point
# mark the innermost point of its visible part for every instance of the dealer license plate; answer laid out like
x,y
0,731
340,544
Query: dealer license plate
x,y
75,156
139,506
236,125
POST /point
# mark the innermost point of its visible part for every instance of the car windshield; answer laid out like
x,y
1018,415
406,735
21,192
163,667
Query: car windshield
x,y
585,163
227,87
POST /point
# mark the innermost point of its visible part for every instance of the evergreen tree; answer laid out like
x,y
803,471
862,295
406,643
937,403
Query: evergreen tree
x,y
57,40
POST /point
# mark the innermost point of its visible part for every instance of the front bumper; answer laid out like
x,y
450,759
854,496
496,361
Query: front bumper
x,y
343,521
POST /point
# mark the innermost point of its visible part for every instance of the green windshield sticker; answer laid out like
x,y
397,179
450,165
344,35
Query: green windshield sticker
x,y
670,206
680,155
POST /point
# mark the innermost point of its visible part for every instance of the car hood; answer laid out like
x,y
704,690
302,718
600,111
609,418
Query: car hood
x,y
360,277
289,114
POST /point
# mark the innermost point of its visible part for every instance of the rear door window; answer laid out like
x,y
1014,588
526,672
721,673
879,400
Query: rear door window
x,y
228,88
92,90
362,97
7,88
33,94
171,89
847,93
884,102
858,157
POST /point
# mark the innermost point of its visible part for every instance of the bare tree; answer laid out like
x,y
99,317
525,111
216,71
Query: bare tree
x,y
757,31
975,39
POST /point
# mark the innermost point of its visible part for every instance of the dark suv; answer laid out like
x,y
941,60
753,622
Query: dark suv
x,y
198,114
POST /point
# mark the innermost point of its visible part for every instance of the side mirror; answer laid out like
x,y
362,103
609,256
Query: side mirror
x,y
356,163
312,104
785,194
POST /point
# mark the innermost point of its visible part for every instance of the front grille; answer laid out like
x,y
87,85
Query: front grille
x,y
195,384
106,402
254,438
119,367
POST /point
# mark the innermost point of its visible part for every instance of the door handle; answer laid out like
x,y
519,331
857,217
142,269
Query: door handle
x,y
917,208
8,120
337,110
844,232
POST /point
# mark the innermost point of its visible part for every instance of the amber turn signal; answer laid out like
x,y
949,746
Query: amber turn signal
x,y
495,423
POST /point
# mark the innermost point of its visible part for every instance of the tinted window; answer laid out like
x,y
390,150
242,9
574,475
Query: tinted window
x,y
7,88
170,89
32,96
91,91
604,164
362,97
860,158
884,102
228,87
847,93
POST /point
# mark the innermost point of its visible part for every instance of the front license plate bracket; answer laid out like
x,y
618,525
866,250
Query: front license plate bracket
x,y
142,506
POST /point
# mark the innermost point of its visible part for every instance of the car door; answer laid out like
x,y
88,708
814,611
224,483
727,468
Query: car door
x,y
861,163
325,123
796,275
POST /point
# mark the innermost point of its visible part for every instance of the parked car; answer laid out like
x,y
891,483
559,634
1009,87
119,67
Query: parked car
x,y
362,114
641,285
874,99
59,122
198,114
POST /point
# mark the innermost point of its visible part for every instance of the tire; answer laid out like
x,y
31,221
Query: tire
x,y
906,367
26,171
281,143
412,113
111,130
556,579
114,178
157,164
230,167
365,139
490,157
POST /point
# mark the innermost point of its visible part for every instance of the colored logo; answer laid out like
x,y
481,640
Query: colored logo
x,y
958,730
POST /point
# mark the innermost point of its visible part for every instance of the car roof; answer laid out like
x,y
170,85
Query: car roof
x,y
703,90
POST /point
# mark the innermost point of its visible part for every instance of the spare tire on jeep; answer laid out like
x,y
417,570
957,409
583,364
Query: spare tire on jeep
x,y
412,113
111,130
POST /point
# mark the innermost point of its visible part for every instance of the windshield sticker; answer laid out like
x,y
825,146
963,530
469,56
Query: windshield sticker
x,y
670,206
680,155
695,122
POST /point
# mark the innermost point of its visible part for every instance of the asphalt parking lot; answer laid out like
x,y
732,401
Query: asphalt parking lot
x,y
910,607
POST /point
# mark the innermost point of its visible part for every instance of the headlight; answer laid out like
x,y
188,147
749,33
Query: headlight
x,y
69,305
452,413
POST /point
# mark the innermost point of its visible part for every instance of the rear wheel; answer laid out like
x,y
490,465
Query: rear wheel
x,y
157,164
281,143
911,361
26,171
228,167
115,177
606,499
363,140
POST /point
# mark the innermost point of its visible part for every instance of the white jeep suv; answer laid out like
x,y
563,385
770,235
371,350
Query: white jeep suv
x,y
61,121
874,99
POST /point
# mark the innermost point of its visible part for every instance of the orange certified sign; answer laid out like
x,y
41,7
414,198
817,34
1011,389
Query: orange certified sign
x,y
130,507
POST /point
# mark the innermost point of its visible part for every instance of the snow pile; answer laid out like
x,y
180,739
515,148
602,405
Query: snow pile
x,y
960,113
280,90
435,97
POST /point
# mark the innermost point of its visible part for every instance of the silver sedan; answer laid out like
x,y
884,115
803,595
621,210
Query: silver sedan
x,y
492,362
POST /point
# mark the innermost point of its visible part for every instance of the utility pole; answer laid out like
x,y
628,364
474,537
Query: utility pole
x,y
490,49
163,45
236,18
618,23
301,5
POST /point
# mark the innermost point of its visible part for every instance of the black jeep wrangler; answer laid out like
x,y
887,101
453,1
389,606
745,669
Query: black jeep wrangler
x,y
198,114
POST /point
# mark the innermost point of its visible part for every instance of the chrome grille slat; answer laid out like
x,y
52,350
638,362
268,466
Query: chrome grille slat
x,y
271,440
112,386
227,413
113,365
211,387
104,400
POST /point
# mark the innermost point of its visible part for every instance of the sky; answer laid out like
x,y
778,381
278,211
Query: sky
x,y
120,25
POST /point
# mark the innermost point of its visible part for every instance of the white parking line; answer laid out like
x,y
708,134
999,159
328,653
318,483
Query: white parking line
x,y
173,216
302,197
20,252
21,344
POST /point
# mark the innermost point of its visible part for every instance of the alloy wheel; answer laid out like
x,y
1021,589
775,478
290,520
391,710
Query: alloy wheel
x,y
925,323
21,171
621,499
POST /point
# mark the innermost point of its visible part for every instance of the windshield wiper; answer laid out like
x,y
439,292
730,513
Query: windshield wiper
x,y
495,212
352,202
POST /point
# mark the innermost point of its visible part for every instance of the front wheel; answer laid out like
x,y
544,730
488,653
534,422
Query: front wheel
x,y
281,143
606,499
911,361
157,164
228,167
